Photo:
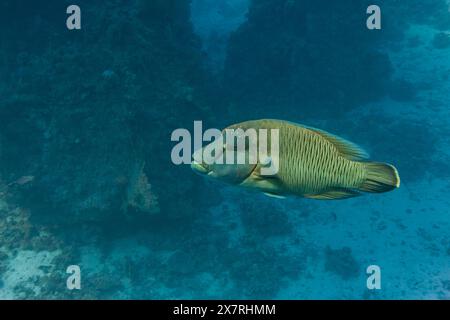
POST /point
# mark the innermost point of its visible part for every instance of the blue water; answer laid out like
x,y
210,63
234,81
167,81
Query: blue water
x,y
86,176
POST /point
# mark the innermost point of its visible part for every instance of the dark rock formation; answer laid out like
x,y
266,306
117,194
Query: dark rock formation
x,y
312,57
81,110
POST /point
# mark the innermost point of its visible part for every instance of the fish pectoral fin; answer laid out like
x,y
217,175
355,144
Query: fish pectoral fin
x,y
274,195
266,162
257,174
335,194
346,148
269,184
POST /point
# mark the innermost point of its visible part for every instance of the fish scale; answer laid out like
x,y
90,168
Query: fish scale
x,y
312,163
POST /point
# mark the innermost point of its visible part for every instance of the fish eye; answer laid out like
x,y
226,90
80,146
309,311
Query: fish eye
x,y
226,146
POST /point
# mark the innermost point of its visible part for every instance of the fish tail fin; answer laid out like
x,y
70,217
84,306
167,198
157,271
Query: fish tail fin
x,y
380,177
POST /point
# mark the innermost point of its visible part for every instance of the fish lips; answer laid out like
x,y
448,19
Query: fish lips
x,y
199,168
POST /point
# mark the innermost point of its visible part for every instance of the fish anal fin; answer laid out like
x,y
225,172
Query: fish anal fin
x,y
335,194
273,195
346,148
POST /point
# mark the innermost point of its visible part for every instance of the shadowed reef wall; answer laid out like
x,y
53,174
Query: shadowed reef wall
x,y
89,113
317,57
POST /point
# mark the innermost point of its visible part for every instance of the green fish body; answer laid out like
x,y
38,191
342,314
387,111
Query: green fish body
x,y
316,164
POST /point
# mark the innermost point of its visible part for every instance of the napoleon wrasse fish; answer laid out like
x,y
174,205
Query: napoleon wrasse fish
x,y
312,163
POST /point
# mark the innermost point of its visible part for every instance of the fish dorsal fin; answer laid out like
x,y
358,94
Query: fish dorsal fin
x,y
346,148
334,194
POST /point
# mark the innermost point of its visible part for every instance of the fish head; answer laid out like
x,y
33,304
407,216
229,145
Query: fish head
x,y
218,161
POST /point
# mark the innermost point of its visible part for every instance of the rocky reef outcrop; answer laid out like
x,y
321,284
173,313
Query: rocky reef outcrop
x,y
82,111
317,58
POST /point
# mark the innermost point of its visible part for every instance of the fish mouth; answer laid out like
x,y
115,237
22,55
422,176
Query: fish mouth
x,y
199,168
